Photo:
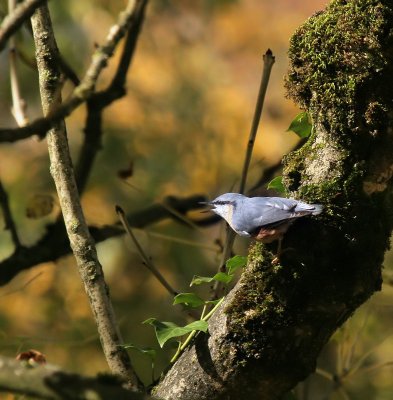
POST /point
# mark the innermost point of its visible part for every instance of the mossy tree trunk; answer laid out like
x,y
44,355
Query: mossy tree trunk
x,y
268,333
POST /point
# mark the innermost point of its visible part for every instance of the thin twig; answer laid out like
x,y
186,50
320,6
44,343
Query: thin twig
x,y
186,242
61,168
96,104
357,335
14,20
373,367
268,61
18,103
116,89
145,259
22,287
68,71
147,262
82,92
181,217
8,219
325,374
340,352
361,361
55,244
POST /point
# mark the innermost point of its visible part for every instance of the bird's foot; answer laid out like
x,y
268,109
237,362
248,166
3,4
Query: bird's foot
x,y
276,261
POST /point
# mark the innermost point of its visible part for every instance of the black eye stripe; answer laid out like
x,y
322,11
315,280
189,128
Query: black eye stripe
x,y
222,202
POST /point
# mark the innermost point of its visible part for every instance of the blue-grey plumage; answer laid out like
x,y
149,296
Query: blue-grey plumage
x,y
266,218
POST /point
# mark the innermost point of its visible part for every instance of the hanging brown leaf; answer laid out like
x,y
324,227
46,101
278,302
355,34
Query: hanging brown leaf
x,y
39,205
127,172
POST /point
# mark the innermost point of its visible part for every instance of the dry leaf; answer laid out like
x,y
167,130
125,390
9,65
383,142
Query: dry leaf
x,y
40,205
32,357
127,172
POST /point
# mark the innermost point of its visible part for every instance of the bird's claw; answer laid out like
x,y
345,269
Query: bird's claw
x,y
276,261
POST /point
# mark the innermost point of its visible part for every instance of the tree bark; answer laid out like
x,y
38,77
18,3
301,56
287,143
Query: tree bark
x,y
61,168
267,334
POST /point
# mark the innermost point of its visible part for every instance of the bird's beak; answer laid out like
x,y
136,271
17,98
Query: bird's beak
x,y
209,204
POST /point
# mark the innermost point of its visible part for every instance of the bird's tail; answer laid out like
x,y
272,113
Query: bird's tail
x,y
308,209
318,208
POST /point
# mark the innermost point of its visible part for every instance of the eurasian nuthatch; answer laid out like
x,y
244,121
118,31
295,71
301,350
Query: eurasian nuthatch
x,y
264,218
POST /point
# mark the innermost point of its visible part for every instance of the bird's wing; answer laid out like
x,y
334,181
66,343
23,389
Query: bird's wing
x,y
260,211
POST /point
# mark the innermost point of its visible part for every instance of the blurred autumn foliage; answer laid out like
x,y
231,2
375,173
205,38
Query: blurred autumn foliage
x,y
180,130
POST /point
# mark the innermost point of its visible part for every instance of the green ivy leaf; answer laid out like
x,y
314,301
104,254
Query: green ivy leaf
x,y
301,125
148,351
234,263
220,277
198,280
276,184
223,277
168,330
189,299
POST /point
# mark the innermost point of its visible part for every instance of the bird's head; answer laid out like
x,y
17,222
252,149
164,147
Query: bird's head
x,y
225,205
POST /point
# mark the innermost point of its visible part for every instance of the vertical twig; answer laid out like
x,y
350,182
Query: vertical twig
x,y
147,262
96,104
9,221
13,21
145,259
61,168
18,104
120,76
268,61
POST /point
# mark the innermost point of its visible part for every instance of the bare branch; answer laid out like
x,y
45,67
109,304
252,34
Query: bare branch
x,y
95,105
37,127
145,259
85,90
68,71
9,221
49,382
13,21
268,61
116,88
55,243
18,103
61,167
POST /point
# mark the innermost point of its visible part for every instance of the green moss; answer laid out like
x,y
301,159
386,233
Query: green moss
x,y
336,56
341,68
259,302
257,254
